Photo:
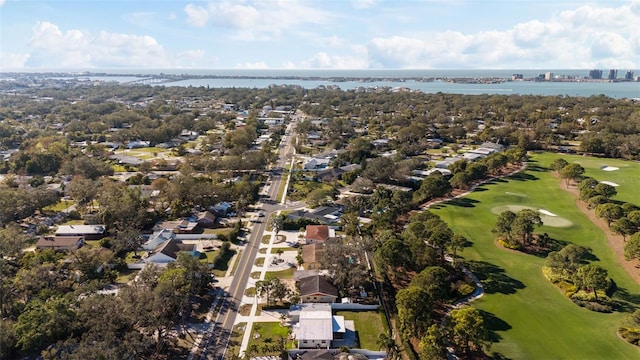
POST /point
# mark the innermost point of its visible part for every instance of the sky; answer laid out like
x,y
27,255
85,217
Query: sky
x,y
319,34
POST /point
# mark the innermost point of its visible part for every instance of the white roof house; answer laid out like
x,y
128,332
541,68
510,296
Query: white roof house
x,y
317,326
88,231
158,238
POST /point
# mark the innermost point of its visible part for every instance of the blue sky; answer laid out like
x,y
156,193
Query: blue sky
x,y
319,34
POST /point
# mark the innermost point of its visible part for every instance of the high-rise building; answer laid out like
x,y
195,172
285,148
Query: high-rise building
x,y
613,74
548,76
628,75
595,74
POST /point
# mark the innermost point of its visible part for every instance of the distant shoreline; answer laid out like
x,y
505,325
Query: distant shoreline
x,y
168,78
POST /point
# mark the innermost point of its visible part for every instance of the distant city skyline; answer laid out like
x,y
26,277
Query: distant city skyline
x,y
313,34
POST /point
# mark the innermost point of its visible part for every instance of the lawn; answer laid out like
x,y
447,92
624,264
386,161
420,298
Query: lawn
x,y
626,176
519,301
369,325
59,206
270,333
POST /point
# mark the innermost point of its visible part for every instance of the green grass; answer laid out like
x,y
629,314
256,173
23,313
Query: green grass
x,y
270,334
282,274
59,206
283,186
235,340
236,263
259,262
527,314
627,176
209,256
369,325
266,239
126,275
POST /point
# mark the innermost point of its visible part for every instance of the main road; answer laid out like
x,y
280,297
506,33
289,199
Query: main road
x,y
216,345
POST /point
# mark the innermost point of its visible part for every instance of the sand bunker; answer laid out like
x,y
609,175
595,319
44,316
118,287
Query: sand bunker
x,y
609,183
548,218
546,212
609,168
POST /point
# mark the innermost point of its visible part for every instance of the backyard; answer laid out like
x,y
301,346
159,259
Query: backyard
x,y
519,300
369,325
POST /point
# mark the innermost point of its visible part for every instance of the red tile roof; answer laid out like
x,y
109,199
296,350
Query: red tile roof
x,y
317,232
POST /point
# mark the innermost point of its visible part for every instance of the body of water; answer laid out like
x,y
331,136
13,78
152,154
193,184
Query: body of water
x,y
311,79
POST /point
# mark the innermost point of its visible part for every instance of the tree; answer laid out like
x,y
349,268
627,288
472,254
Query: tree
x,y
466,329
558,164
591,277
605,190
504,225
387,343
571,172
624,227
394,253
457,242
414,308
44,322
432,345
525,222
632,247
566,261
434,280
278,223
610,212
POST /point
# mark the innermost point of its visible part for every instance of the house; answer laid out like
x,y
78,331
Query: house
x,y
317,289
311,256
183,226
189,134
322,214
158,238
206,219
60,242
494,146
221,208
138,144
89,232
318,233
168,252
317,327
330,175
316,163
443,164
470,156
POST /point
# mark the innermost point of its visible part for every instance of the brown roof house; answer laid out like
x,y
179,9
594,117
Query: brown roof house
x,y
317,289
318,234
60,242
311,255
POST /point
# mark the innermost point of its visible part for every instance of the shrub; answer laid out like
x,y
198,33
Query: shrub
x,y
508,245
593,306
631,335
465,290
567,288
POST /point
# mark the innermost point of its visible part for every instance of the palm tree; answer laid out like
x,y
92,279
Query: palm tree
x,y
388,343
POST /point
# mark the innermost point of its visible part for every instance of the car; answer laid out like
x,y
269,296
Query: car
x,y
260,214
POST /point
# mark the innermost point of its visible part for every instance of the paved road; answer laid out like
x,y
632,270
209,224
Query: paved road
x,y
216,346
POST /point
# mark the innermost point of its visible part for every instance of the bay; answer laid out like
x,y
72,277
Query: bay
x,y
355,79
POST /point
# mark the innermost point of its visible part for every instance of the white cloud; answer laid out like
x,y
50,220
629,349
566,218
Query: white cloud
x,y
323,60
255,65
196,15
333,41
580,38
12,61
257,19
54,48
1,2
364,4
